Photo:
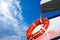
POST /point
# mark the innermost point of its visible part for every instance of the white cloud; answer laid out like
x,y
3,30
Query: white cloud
x,y
10,38
8,14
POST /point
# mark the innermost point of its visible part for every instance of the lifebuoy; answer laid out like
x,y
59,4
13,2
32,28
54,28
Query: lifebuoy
x,y
33,26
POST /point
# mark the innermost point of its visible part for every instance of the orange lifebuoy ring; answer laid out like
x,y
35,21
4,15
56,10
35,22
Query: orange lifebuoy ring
x,y
33,26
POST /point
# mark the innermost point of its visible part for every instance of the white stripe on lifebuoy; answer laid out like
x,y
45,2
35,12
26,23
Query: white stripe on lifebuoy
x,y
43,28
34,24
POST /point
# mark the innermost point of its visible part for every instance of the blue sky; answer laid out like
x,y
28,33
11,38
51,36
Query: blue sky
x,y
30,10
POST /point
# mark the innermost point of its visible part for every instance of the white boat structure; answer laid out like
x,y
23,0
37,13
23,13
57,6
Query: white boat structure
x,y
54,26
